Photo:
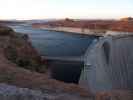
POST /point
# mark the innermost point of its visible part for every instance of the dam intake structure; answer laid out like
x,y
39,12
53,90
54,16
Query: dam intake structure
x,y
108,64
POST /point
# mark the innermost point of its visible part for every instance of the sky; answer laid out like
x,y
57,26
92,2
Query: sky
x,y
78,9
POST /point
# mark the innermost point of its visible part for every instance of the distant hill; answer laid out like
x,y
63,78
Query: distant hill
x,y
125,24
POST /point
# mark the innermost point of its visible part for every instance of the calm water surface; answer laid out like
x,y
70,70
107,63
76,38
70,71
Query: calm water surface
x,y
50,43
59,44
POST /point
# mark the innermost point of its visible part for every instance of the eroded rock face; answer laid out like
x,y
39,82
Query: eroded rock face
x,y
123,26
19,50
4,31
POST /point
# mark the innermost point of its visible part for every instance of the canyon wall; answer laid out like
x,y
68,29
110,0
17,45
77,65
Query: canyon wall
x,y
109,64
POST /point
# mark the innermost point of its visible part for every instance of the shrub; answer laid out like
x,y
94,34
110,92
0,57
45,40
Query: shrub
x,y
4,31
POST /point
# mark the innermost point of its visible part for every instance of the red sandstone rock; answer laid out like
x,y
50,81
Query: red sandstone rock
x,y
114,25
115,95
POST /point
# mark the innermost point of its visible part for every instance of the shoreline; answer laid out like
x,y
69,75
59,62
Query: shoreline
x,y
86,31
80,31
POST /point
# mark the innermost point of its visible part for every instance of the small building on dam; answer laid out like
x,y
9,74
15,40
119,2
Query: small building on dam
x,y
108,63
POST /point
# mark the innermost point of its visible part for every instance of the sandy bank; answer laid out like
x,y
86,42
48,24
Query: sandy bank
x,y
84,31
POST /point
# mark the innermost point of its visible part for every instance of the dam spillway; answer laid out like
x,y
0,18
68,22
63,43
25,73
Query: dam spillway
x,y
108,64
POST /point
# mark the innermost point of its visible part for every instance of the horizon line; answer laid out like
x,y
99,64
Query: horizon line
x,y
62,18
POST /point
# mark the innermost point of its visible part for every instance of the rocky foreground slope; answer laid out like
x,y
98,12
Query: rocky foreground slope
x,y
8,92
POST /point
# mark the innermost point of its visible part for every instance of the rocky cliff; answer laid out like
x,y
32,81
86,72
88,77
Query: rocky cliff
x,y
17,49
122,26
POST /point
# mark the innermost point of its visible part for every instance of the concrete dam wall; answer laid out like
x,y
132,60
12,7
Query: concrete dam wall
x,y
109,64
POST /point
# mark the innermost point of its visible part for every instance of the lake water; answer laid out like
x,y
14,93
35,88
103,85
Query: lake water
x,y
53,44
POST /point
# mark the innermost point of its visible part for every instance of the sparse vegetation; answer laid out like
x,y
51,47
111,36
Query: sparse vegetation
x,y
18,50
4,31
